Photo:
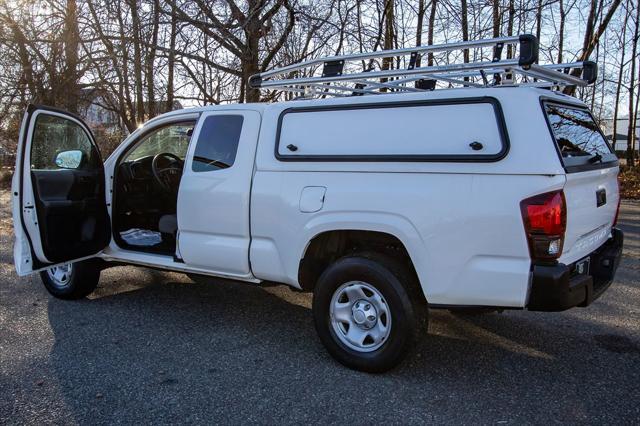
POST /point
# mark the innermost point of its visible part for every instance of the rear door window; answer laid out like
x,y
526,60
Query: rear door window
x,y
577,136
217,143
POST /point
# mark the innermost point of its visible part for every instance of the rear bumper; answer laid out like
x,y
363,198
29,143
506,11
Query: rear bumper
x,y
560,287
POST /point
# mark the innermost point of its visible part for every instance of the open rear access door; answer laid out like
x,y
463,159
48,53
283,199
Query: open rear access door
x,y
58,190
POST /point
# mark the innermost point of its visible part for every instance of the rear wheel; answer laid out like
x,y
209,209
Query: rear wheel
x,y
363,312
71,280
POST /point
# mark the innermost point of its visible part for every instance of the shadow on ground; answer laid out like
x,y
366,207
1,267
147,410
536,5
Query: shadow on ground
x,y
156,347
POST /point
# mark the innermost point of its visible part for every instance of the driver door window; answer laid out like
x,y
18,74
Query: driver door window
x,y
54,135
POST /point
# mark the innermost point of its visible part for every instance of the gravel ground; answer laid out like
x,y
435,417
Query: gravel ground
x,y
151,347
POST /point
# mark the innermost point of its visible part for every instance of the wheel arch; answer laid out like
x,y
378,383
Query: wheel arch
x,y
329,243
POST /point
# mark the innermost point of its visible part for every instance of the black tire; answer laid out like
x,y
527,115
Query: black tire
x,y
81,281
396,285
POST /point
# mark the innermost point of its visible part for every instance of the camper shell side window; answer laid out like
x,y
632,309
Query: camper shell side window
x,y
443,130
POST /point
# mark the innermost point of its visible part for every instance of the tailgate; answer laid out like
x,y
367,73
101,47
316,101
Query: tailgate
x,y
592,202
591,188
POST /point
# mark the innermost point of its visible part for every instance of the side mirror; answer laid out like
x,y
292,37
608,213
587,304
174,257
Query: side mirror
x,y
69,159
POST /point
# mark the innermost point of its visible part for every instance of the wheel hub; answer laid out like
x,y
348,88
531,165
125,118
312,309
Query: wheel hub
x,y
364,314
60,275
360,316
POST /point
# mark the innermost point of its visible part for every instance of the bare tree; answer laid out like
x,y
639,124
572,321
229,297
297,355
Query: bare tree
x,y
623,45
139,58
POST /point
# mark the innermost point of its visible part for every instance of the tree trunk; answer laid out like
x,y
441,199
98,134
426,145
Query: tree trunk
x,y
632,77
620,75
250,61
137,60
388,37
561,32
151,60
496,18
512,13
171,61
421,11
634,143
389,20
70,89
432,22
539,19
465,30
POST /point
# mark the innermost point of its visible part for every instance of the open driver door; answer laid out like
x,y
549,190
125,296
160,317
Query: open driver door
x,y
58,192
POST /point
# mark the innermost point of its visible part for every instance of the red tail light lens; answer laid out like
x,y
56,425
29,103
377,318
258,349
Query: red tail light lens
x,y
545,221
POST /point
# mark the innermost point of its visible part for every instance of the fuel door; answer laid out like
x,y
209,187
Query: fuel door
x,y
312,198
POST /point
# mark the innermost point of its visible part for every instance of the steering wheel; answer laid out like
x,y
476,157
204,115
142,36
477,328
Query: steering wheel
x,y
167,170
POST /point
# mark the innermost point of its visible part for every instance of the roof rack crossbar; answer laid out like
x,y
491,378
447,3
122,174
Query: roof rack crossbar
x,y
339,79
395,52
384,73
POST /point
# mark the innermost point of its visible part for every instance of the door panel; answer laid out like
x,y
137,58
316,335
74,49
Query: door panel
x,y
213,200
60,189
71,222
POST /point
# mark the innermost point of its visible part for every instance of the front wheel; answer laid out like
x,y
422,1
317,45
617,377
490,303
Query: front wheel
x,y
363,313
71,280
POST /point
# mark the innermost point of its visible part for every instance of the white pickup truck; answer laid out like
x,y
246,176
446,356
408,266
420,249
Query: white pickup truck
x,y
496,197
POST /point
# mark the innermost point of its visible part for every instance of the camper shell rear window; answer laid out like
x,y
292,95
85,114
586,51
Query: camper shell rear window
x,y
578,138
464,129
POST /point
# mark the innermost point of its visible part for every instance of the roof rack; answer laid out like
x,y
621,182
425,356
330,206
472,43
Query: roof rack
x,y
356,74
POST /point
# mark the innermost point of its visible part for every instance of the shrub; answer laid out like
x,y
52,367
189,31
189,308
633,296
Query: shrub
x,y
630,182
6,173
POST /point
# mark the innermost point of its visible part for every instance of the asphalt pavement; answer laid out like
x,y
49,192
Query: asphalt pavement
x,y
153,347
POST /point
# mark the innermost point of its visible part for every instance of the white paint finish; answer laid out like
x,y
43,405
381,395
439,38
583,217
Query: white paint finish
x,y
588,226
312,198
213,206
401,130
21,247
464,232
526,127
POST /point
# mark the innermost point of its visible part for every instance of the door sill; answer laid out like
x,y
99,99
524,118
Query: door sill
x,y
166,262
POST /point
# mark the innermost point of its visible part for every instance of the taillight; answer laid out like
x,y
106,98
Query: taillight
x,y
545,221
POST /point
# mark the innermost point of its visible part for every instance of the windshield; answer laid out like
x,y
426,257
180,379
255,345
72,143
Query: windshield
x,y
172,139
